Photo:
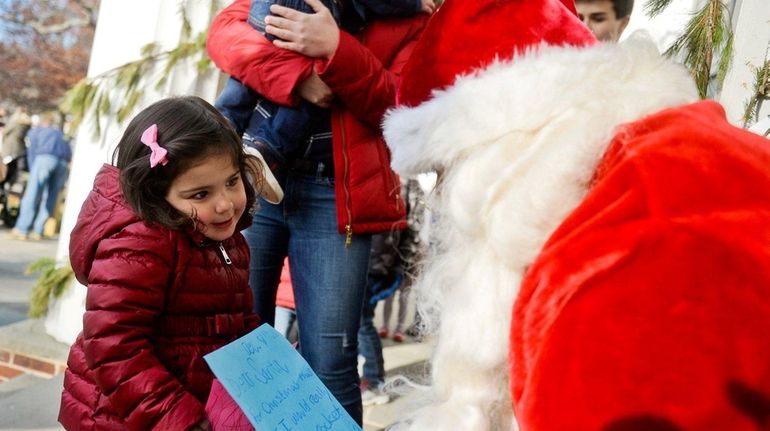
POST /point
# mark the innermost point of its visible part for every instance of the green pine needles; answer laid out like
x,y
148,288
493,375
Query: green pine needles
x,y
53,281
708,36
760,94
93,95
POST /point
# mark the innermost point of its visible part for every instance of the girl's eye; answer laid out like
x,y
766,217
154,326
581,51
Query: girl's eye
x,y
198,196
233,181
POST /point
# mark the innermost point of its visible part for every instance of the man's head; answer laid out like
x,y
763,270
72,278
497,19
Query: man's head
x,y
606,18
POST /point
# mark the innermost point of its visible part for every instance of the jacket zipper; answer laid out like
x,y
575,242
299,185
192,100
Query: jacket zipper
x,y
346,174
224,254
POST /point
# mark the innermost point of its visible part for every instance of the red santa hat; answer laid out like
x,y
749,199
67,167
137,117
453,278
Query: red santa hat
x,y
466,36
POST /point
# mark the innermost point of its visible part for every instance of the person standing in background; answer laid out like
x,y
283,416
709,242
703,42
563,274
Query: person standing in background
x,y
410,249
605,18
48,156
14,132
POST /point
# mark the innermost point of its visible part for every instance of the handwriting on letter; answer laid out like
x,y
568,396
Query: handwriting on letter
x,y
275,386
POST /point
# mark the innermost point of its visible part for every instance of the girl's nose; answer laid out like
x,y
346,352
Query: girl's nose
x,y
224,204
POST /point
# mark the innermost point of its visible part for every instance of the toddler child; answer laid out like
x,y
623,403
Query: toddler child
x,y
158,244
279,131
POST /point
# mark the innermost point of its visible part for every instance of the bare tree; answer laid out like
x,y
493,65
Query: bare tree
x,y
44,49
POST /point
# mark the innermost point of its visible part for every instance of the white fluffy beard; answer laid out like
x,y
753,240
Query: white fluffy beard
x,y
518,158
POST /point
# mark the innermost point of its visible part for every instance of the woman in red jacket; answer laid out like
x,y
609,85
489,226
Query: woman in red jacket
x,y
343,190
158,244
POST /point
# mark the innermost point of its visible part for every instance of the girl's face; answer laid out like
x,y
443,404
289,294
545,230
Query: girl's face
x,y
212,192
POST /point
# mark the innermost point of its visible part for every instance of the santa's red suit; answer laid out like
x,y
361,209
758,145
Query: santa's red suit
x,y
603,256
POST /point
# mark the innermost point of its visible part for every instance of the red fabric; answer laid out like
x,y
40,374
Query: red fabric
x,y
223,412
157,302
364,75
491,29
242,52
285,295
648,307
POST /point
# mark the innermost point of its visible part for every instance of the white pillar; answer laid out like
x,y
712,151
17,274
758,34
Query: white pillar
x,y
751,44
123,28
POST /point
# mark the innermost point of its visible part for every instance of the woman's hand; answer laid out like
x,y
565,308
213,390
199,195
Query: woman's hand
x,y
428,6
315,91
203,425
314,35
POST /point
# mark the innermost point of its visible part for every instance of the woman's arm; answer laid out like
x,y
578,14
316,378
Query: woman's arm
x,y
242,52
127,288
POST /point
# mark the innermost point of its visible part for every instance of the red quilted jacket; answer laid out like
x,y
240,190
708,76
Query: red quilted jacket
x,y
363,74
158,300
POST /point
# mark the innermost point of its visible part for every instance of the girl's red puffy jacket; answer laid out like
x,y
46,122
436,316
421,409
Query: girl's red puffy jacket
x,y
158,300
363,75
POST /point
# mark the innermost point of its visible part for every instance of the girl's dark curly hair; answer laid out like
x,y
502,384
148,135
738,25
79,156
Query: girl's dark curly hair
x,y
190,129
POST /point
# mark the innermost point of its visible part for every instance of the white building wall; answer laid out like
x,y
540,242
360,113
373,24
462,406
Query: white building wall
x,y
123,28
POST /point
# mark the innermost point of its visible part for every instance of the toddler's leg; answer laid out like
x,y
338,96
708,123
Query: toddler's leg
x,y
236,102
287,129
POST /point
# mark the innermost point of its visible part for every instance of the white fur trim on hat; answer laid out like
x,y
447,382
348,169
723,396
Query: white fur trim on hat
x,y
614,83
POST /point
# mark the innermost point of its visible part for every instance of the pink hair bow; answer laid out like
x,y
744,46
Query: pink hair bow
x,y
150,138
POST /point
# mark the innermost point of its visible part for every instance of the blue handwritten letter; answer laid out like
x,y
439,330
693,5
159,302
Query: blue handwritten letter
x,y
275,386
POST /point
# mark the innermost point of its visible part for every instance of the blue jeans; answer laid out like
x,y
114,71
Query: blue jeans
x,y
284,318
329,279
46,180
369,344
280,131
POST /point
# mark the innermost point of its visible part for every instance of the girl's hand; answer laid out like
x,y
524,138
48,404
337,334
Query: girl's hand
x,y
314,35
428,6
315,91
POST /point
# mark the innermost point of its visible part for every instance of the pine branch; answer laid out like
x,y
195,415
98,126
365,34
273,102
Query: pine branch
x,y
51,283
93,95
654,7
60,27
761,93
707,34
725,60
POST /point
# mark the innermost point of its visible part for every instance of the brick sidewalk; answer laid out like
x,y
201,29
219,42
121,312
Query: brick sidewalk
x,y
25,348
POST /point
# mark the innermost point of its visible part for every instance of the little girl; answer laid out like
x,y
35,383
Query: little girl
x,y
158,244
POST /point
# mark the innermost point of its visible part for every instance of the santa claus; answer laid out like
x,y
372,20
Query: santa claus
x,y
603,238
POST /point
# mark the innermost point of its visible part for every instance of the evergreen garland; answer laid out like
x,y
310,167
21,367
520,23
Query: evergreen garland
x,y
761,93
92,95
707,36
53,281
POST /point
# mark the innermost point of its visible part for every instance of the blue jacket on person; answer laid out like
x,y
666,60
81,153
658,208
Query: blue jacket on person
x,y
47,140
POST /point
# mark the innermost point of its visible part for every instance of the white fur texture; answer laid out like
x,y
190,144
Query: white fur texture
x,y
518,144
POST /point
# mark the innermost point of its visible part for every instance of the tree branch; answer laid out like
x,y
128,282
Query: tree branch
x,y
87,11
60,27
